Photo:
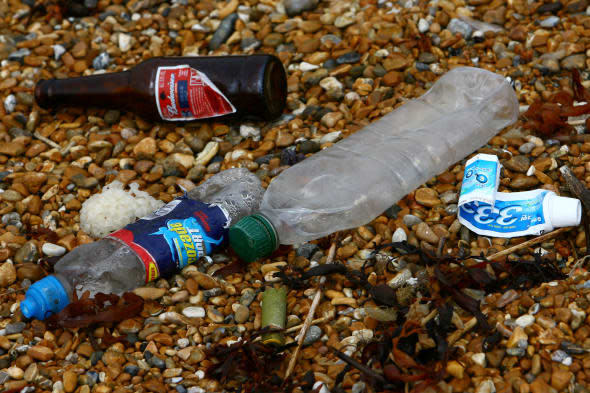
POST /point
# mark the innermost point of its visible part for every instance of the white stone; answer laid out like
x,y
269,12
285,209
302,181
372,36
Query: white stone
x,y
124,42
330,83
53,250
351,97
58,50
486,386
400,278
330,137
399,236
305,66
525,320
15,372
183,342
381,53
479,358
10,103
194,312
423,25
320,387
247,131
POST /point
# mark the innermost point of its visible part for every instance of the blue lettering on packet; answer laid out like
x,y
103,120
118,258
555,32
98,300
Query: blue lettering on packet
x,y
182,87
478,175
175,235
505,216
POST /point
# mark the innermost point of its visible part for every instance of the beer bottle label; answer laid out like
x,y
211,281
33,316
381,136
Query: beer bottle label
x,y
183,94
175,235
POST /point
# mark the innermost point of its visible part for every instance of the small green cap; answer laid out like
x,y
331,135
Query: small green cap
x,y
253,237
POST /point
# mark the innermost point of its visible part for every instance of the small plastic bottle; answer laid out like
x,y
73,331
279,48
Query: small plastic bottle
x,y
172,237
358,178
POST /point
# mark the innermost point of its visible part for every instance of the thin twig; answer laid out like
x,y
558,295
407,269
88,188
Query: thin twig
x,y
46,140
308,320
297,327
522,245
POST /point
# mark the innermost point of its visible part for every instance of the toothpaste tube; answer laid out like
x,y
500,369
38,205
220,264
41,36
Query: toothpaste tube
x,y
481,178
520,213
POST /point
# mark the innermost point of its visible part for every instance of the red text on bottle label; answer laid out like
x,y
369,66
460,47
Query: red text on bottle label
x,y
183,94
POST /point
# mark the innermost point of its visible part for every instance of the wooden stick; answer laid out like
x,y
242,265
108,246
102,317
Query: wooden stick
x,y
46,140
297,327
309,318
522,245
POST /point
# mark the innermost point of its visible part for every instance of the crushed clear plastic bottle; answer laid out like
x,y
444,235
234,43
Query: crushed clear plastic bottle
x,y
111,266
356,179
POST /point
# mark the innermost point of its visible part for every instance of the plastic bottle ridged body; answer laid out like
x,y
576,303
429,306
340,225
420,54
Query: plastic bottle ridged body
x,y
110,266
358,178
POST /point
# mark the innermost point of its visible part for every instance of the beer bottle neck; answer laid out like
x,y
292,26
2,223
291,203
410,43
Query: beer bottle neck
x,y
103,90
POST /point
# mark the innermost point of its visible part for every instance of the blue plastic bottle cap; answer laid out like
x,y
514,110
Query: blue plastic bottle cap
x,y
44,298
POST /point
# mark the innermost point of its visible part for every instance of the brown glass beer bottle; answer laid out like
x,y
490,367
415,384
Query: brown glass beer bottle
x,y
179,88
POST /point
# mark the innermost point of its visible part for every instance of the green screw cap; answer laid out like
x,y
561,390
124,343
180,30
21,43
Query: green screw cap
x,y
253,237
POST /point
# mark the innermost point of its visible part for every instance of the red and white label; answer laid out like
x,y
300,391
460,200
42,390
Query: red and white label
x,y
183,94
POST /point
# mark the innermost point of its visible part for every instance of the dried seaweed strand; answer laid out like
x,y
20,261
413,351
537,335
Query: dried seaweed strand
x,y
309,317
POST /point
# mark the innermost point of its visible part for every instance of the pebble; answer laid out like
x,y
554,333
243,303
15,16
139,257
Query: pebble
x,y
458,26
296,7
7,274
13,328
241,313
525,320
70,381
194,312
124,42
101,61
399,236
411,220
41,353
424,232
225,29
53,250
10,103
313,334
15,372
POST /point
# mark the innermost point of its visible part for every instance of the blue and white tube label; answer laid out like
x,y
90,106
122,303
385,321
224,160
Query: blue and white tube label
x,y
512,215
480,180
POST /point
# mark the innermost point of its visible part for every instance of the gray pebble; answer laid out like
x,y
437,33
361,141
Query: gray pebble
x,y
249,43
247,297
3,377
13,328
526,148
334,39
101,61
560,356
225,29
348,58
19,54
155,361
10,103
551,21
95,357
295,7
410,220
458,26
313,334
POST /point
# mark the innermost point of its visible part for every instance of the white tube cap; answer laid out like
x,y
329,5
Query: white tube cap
x,y
565,212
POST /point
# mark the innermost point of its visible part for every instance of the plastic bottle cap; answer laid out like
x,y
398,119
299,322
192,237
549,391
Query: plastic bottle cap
x,y
44,298
253,237
565,212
